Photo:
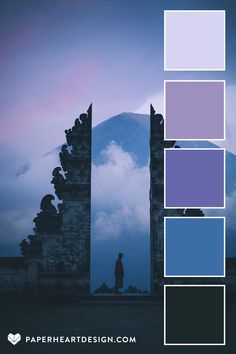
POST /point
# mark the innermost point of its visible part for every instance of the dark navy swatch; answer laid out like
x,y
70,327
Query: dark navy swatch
x,y
194,315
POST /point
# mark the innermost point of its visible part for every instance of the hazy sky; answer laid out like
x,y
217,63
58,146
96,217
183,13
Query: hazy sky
x,y
57,56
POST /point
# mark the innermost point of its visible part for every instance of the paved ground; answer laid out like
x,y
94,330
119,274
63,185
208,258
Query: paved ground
x,y
145,321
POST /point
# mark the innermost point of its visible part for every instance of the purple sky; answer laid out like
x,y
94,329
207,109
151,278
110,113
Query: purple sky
x,y
58,56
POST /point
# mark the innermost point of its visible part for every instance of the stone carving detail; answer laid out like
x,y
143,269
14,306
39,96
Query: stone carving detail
x,y
32,247
76,136
193,212
64,156
58,181
48,220
46,204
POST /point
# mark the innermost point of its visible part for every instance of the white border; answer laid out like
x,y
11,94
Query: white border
x,y
196,285
187,206
194,139
224,245
220,69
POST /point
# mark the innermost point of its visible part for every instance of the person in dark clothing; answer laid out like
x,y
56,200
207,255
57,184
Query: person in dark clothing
x,y
119,273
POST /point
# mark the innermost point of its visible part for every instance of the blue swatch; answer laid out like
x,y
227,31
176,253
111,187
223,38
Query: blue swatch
x,y
194,246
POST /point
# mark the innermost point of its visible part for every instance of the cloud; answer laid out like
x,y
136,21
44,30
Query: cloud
x,y
231,225
120,195
230,211
15,225
21,194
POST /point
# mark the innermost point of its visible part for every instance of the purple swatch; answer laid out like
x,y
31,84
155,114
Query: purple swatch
x,y
194,178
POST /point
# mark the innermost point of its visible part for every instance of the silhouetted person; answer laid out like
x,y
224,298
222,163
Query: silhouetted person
x,y
119,273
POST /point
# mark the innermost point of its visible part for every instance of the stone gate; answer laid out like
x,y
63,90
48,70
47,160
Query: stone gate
x,y
56,258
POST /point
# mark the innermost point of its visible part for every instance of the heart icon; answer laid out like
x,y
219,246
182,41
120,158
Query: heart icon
x,y
14,338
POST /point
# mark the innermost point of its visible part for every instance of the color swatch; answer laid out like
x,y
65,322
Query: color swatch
x,y
194,315
194,246
194,40
194,178
194,110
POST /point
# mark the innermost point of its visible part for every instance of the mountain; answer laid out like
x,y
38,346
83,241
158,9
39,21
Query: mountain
x,y
129,130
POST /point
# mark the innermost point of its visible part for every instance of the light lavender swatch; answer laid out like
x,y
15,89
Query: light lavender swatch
x,y
195,40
